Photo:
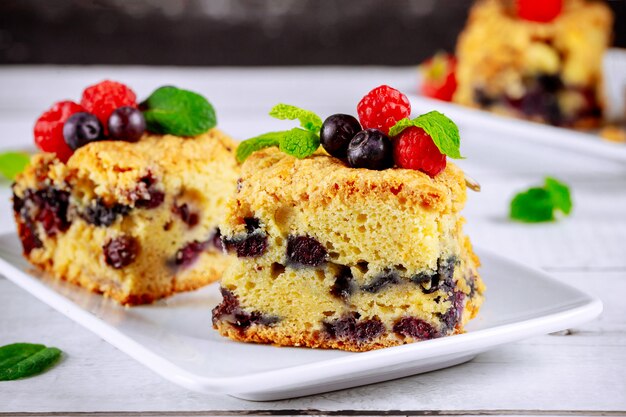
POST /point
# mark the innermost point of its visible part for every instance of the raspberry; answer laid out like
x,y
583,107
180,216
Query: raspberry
x,y
539,10
382,107
105,97
415,149
439,79
49,129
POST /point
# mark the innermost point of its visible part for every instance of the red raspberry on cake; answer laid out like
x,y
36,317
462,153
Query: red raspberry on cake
x,y
49,129
105,97
382,108
415,149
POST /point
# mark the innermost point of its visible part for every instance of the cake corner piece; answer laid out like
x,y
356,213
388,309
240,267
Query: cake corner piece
x,y
135,219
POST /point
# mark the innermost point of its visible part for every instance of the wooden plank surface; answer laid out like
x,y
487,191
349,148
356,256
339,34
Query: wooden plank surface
x,y
581,371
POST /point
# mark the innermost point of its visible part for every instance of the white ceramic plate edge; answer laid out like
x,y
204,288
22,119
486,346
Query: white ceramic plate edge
x,y
329,370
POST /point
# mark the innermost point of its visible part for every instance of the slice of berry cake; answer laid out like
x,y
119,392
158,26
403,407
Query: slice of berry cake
x,y
536,59
346,251
130,214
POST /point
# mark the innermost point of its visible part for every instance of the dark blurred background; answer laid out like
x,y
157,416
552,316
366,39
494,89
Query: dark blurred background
x,y
235,32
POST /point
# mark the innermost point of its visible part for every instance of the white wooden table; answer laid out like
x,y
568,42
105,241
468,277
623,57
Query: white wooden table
x,y
577,372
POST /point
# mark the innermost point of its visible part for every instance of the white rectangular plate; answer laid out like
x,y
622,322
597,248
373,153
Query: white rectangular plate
x,y
174,337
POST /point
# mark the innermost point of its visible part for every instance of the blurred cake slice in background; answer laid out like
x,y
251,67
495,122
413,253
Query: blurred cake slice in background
x,y
540,60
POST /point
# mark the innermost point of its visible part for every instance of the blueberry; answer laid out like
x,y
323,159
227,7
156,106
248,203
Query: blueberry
x,y
188,217
252,244
126,123
230,311
415,328
370,149
80,129
442,279
337,132
351,328
53,208
28,236
248,246
154,200
216,240
18,204
102,215
306,251
252,224
188,254
344,284
453,316
381,281
121,251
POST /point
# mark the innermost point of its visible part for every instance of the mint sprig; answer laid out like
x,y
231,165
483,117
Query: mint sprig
x,y
299,143
540,204
441,129
21,360
12,163
171,110
308,120
249,146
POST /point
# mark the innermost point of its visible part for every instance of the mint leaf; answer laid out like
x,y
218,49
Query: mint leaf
x,y
560,194
296,142
12,163
441,129
539,204
170,110
308,120
299,143
532,206
249,146
21,360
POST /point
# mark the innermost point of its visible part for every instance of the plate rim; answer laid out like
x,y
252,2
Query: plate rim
x,y
588,308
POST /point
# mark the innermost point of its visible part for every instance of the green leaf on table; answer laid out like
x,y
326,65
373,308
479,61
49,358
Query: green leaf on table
x,y
308,120
21,360
171,110
532,206
560,195
539,204
12,163
443,131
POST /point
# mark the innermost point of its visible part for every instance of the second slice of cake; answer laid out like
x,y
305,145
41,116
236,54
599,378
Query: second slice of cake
x,y
134,218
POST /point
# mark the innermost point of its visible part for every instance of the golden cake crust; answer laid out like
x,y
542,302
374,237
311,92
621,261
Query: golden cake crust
x,y
320,178
271,176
